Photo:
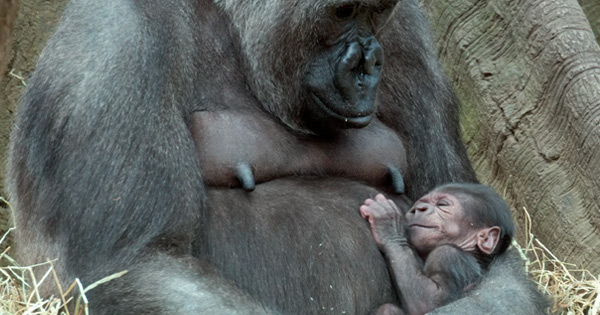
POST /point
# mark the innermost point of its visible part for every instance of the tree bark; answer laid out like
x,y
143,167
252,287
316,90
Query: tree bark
x,y
8,15
592,11
528,75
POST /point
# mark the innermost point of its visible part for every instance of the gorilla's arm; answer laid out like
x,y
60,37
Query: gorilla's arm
x,y
102,135
418,101
419,292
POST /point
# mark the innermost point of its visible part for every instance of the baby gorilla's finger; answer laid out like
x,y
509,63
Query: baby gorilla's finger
x,y
368,201
364,209
388,204
380,198
364,212
378,210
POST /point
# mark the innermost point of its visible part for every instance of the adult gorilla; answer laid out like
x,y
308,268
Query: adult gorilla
x,y
142,115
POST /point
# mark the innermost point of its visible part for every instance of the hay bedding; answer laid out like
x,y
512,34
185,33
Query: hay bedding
x,y
19,293
573,290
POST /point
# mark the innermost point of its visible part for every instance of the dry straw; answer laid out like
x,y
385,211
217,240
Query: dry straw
x,y
19,288
573,290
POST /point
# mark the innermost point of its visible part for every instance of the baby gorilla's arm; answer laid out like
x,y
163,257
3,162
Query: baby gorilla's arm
x,y
418,292
453,269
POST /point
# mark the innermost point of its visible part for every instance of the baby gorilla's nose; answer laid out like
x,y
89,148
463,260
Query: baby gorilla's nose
x,y
422,207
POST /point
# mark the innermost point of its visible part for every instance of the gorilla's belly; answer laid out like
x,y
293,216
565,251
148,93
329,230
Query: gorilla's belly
x,y
302,241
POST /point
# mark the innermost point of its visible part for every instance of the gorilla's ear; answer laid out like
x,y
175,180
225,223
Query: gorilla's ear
x,y
487,239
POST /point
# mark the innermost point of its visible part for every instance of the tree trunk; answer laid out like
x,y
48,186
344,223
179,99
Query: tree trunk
x,y
528,75
592,11
8,15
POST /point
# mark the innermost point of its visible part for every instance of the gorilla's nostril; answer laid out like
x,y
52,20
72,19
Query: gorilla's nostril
x,y
373,57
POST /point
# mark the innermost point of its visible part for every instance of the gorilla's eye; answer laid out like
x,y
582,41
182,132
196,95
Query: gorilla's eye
x,y
380,9
345,12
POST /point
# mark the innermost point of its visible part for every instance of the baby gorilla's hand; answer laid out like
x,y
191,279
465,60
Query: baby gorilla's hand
x,y
385,219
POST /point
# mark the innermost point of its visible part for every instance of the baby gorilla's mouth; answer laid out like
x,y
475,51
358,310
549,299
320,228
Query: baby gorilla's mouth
x,y
421,226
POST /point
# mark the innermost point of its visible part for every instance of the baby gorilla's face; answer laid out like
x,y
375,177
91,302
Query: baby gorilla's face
x,y
438,218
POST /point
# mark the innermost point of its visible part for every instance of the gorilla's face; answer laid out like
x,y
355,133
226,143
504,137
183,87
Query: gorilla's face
x,y
315,65
341,81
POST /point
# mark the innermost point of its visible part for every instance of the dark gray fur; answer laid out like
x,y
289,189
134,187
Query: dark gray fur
x,y
504,290
104,173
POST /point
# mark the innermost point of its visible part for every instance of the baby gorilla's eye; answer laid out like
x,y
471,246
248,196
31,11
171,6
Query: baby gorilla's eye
x,y
442,203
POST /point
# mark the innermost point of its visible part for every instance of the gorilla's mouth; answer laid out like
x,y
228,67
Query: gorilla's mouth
x,y
357,120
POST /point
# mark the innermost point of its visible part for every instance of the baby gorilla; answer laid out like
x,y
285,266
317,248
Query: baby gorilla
x,y
456,230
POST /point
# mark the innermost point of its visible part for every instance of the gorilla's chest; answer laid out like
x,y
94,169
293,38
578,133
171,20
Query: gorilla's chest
x,y
229,143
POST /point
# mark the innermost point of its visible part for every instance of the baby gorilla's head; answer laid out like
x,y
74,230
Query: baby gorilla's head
x,y
471,216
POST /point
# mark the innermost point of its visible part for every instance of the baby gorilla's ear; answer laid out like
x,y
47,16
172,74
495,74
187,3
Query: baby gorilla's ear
x,y
487,239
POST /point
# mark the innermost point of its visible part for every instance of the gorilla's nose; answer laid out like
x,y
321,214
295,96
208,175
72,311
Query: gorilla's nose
x,y
373,56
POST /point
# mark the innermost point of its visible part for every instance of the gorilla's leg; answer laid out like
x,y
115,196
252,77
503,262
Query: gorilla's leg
x,y
162,284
